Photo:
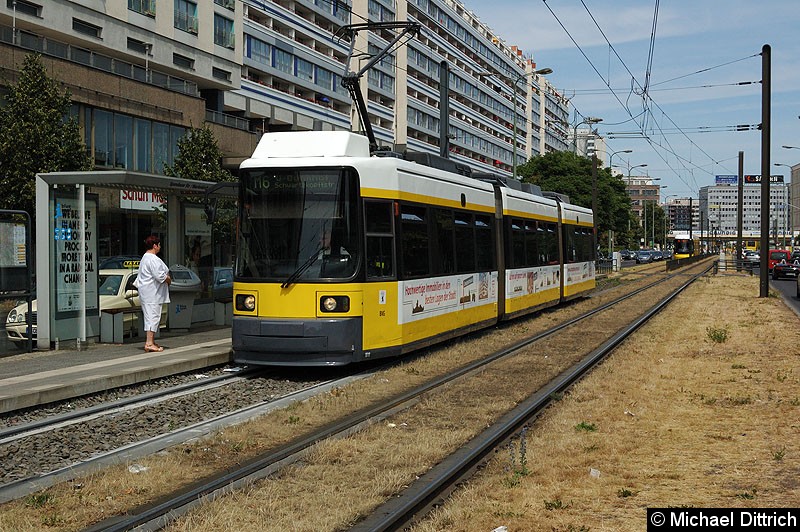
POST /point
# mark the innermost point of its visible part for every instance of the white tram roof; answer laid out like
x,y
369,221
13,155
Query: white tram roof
x,y
392,177
381,177
307,144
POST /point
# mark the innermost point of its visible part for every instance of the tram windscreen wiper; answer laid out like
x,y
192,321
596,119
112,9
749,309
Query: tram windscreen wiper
x,y
303,267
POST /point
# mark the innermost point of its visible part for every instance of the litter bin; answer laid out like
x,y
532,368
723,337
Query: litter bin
x,y
182,292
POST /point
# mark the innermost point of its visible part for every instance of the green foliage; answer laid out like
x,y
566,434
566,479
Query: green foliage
x,y
518,467
199,157
39,500
37,135
571,174
584,426
717,335
556,504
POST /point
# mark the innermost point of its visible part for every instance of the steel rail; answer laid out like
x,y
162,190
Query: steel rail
x,y
78,416
153,517
430,488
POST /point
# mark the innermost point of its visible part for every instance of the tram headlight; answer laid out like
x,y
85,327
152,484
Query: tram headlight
x,y
246,302
329,304
334,304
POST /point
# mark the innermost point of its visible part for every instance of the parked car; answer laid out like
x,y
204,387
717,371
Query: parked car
x,y
783,270
752,256
115,291
627,254
644,256
119,261
657,255
667,254
223,283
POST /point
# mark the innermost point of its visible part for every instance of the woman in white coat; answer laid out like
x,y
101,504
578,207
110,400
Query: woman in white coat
x,y
153,283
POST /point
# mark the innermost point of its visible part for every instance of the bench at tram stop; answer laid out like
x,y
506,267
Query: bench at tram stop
x,y
112,324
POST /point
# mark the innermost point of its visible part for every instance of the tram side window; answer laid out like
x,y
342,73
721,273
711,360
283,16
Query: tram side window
x,y
517,243
550,244
569,244
484,245
530,243
414,241
380,238
577,244
444,252
465,242
541,244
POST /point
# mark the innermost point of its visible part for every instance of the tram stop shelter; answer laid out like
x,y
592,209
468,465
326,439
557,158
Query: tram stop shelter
x,y
67,236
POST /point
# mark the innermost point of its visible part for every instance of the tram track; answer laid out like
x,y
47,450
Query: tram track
x,y
268,463
83,415
58,448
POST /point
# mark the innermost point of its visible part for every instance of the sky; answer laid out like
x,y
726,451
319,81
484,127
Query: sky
x,y
603,57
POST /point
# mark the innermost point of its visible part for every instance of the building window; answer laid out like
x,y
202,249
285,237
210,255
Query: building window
x,y
186,16
324,78
135,45
223,32
229,4
86,28
218,73
282,60
141,136
23,7
305,70
259,51
145,7
183,61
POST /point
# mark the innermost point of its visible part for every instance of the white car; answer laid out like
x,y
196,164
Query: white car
x,y
115,290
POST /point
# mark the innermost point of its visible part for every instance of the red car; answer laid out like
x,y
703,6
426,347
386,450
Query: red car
x,y
778,255
781,264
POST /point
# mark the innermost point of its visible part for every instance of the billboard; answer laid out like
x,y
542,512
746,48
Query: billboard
x,y
756,178
727,179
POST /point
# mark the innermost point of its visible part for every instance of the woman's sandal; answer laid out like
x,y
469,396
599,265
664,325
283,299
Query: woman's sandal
x,y
155,348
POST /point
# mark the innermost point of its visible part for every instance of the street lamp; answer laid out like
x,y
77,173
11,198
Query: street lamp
x,y
589,120
791,147
630,168
611,157
540,72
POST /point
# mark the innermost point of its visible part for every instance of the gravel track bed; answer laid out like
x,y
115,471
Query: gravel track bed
x,y
50,451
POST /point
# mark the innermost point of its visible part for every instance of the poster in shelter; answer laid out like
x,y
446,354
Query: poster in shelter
x,y
67,233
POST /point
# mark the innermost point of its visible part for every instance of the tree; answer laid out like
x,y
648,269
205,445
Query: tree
x,y
199,157
571,174
37,135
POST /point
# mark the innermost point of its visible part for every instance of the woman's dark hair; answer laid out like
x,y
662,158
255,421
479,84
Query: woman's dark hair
x,y
151,241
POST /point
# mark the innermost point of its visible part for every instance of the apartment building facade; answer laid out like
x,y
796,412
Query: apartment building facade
x,y
142,72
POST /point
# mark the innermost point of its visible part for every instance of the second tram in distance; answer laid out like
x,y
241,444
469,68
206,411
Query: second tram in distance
x,y
343,256
684,247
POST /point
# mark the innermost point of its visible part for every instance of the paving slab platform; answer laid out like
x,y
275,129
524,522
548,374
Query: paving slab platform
x,y
31,379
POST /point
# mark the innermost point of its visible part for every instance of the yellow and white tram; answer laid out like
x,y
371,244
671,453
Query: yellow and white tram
x,y
684,247
344,257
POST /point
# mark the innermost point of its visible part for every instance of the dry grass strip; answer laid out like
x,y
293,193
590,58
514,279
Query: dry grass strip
x,y
678,417
336,484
